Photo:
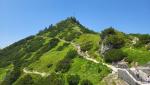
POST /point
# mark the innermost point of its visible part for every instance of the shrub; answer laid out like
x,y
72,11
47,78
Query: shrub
x,y
85,46
86,82
47,29
12,76
71,54
25,80
114,55
53,79
107,32
60,48
54,31
41,32
129,60
56,79
34,44
72,36
49,65
103,71
23,41
53,42
64,65
73,79
116,41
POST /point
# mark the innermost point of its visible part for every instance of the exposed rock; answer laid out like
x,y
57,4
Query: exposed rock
x,y
112,79
135,40
105,48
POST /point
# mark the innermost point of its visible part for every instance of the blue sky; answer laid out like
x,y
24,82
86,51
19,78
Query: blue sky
x,y
21,18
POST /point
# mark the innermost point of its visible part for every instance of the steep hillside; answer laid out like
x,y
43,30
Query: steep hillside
x,y
62,54
70,54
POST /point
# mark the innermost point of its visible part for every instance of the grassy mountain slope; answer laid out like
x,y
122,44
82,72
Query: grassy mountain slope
x,y
67,54
51,52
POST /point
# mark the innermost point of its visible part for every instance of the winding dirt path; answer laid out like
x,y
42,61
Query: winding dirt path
x,y
43,74
85,55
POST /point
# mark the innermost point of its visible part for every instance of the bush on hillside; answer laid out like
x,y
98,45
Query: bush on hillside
x,y
116,41
86,82
54,31
28,55
114,55
107,32
64,65
71,54
129,60
56,79
85,46
23,41
12,76
72,36
53,79
14,51
73,79
53,42
49,65
25,80
41,32
103,71
35,44
60,48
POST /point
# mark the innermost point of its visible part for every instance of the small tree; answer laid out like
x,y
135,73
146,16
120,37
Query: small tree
x,y
64,65
116,41
107,32
73,79
86,82
114,55
85,46
25,80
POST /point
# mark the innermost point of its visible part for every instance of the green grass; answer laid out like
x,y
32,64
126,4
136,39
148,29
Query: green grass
x,y
95,39
88,70
85,69
4,71
89,37
138,55
51,57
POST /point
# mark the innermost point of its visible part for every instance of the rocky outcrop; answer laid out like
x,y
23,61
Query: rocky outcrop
x,y
104,48
135,40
